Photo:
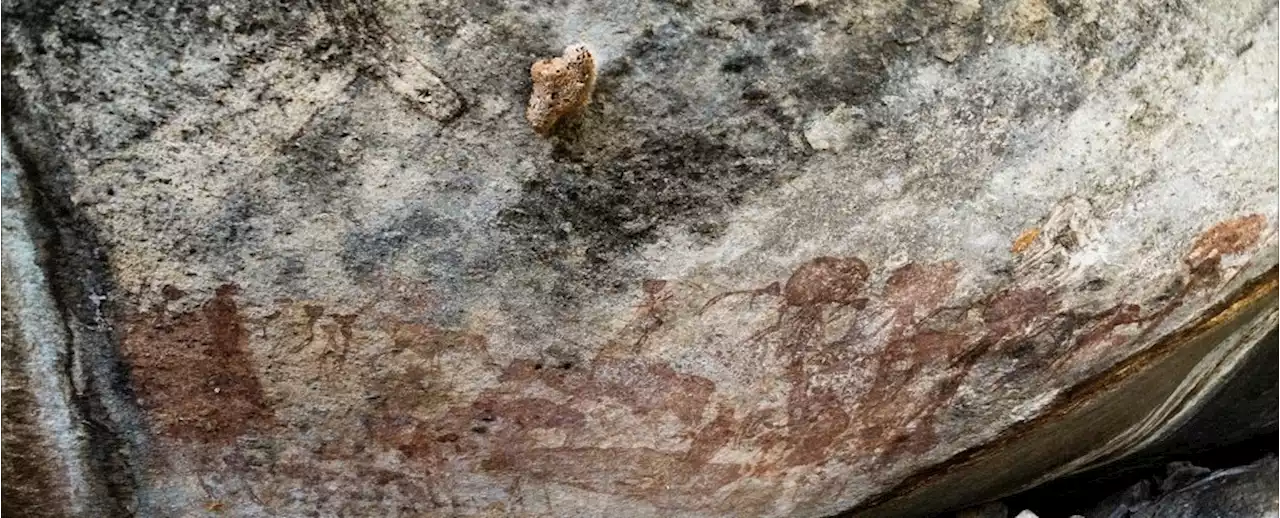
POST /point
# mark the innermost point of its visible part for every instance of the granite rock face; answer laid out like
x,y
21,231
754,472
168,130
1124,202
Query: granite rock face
x,y
793,259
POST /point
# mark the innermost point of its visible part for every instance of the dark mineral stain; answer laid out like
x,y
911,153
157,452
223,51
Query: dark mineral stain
x,y
78,37
75,260
614,183
220,240
357,22
365,251
737,64
612,204
312,164
290,272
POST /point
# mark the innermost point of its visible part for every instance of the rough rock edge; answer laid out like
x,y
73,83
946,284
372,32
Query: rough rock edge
x,y
83,417
1253,302
45,367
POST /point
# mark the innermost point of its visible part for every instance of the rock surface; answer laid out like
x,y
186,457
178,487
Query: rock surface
x,y
1245,491
1189,491
794,259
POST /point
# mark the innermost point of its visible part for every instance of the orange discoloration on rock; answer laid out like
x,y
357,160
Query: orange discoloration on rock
x,y
562,87
1228,237
1024,240
194,373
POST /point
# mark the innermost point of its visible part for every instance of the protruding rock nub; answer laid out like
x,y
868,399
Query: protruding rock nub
x,y
561,87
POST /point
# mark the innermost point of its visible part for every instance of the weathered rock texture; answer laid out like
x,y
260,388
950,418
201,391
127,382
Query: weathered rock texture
x,y
1189,491
794,259
562,87
1245,491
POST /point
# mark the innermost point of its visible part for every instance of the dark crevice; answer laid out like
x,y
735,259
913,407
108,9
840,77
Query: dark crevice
x,y
1078,494
1237,426
72,260
1100,383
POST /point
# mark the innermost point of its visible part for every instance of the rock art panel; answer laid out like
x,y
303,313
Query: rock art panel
x,y
193,372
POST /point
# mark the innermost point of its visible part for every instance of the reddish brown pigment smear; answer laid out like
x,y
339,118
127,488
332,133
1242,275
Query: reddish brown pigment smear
x,y
715,435
915,290
1100,336
644,387
827,280
1228,237
528,413
1012,309
502,430
193,371
526,424
816,417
